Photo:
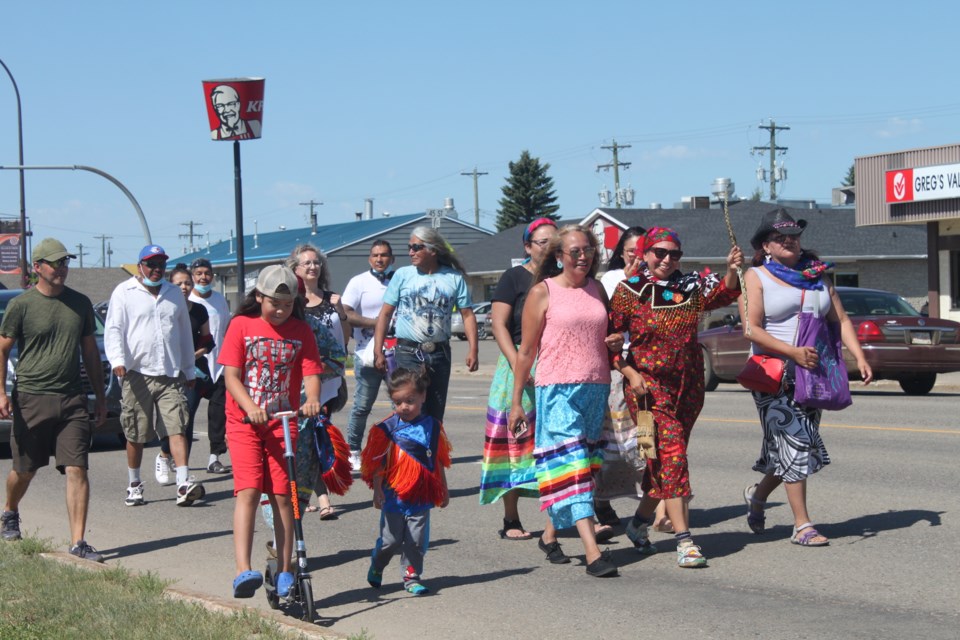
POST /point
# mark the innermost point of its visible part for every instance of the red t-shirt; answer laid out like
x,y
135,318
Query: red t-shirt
x,y
272,360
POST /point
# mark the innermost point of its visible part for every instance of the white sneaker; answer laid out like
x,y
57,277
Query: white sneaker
x,y
134,496
163,469
189,492
355,461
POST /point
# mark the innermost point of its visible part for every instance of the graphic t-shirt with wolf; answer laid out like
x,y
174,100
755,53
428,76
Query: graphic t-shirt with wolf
x,y
425,302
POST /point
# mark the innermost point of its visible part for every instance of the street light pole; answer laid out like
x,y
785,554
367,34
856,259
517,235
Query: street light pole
x,y
23,202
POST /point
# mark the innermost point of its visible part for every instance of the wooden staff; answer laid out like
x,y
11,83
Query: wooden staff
x,y
743,285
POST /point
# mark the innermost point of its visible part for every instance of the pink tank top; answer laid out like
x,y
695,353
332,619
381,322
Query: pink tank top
x,y
572,350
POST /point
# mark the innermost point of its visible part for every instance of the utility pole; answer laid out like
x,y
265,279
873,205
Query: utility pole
x,y
103,248
313,216
190,234
777,174
80,254
109,253
621,195
476,193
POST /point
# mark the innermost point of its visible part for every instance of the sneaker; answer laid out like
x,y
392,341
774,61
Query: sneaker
x,y
217,467
602,567
415,588
86,552
135,496
688,555
374,577
355,460
189,492
554,553
640,538
163,469
11,525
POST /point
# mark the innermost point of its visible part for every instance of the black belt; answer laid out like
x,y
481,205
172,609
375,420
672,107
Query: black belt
x,y
426,347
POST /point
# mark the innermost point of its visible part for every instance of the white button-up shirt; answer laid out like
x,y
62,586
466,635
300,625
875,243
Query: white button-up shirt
x,y
149,334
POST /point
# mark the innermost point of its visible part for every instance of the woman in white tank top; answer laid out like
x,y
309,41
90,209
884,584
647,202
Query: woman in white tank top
x,y
782,277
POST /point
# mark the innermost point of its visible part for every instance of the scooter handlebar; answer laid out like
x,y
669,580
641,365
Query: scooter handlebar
x,y
279,414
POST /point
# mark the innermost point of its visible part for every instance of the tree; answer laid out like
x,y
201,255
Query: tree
x,y
528,193
851,178
757,195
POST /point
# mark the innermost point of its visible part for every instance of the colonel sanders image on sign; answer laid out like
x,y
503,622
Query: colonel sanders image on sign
x,y
227,105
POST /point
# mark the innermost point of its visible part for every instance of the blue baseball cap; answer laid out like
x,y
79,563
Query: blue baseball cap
x,y
153,251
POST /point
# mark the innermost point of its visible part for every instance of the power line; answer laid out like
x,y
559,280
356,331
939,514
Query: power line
x,y
313,216
622,196
777,174
190,234
476,193
103,248
81,253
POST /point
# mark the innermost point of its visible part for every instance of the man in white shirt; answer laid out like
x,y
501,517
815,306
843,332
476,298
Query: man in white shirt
x,y
219,313
149,343
362,300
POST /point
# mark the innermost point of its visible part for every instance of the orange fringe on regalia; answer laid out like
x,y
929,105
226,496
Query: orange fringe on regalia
x,y
412,482
339,477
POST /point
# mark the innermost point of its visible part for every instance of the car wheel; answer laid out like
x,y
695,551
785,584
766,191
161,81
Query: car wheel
x,y
461,336
710,379
482,332
919,384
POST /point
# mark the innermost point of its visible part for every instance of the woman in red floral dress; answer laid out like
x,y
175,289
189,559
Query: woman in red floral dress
x,y
661,308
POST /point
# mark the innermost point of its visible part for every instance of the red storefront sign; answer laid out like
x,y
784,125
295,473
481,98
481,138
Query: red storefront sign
x,y
234,108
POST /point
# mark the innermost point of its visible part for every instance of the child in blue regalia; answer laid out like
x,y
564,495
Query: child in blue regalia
x,y
403,462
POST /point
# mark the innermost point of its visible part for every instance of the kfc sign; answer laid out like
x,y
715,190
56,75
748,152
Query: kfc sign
x,y
923,183
234,108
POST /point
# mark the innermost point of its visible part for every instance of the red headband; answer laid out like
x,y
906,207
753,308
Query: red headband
x,y
660,234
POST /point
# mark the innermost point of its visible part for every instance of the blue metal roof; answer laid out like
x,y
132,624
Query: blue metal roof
x,y
275,245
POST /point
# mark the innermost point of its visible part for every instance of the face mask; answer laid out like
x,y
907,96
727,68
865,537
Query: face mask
x,y
148,282
382,275
203,289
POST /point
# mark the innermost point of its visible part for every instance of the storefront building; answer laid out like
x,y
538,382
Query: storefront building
x,y
919,187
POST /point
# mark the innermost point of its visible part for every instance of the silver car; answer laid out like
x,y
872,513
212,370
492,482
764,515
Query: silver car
x,y
482,311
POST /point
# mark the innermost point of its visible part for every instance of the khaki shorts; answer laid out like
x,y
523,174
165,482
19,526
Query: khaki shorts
x,y
152,405
49,425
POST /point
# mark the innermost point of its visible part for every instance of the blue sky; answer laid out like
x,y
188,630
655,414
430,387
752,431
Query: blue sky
x,y
393,100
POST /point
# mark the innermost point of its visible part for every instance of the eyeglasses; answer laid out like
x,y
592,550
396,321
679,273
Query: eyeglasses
x,y
541,243
419,246
232,105
311,263
155,264
56,264
779,238
587,252
661,253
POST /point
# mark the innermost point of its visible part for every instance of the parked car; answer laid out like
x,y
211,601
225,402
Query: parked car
x,y
898,342
112,389
482,311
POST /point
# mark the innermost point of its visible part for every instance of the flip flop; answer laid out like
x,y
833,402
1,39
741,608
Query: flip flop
x,y
603,532
311,509
514,525
246,584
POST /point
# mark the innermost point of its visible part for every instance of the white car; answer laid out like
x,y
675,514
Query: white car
x,y
482,311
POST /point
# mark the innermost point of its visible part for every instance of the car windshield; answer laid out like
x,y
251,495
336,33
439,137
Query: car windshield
x,y
875,303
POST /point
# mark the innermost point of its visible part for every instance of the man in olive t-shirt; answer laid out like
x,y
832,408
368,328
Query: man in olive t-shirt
x,y
50,324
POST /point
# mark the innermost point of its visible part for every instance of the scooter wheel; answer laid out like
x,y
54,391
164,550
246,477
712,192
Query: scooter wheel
x,y
268,582
309,610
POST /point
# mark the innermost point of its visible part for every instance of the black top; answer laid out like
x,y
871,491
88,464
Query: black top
x,y
512,289
199,316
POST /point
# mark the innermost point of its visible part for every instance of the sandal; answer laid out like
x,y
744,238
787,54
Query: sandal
x,y
328,513
514,525
756,521
603,532
312,509
805,536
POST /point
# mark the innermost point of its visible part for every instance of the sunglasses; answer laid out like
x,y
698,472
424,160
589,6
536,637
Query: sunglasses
x,y
661,253
155,264
541,243
587,252
416,247
779,238
56,264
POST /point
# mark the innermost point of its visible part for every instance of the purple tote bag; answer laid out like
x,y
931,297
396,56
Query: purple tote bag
x,y
826,386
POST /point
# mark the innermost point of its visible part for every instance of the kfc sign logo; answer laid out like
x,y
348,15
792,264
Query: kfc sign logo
x,y
900,185
234,108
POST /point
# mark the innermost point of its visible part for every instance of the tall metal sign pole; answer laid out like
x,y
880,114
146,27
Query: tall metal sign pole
x,y
23,204
235,112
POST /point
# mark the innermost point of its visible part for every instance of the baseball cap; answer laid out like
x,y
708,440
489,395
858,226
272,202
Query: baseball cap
x,y
51,250
278,282
153,251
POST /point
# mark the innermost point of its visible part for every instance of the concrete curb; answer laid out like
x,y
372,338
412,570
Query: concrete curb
x,y
288,626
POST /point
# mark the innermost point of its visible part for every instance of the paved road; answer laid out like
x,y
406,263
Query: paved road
x,y
889,502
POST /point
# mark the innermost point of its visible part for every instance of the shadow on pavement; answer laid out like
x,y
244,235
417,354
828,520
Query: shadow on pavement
x,y
349,555
163,543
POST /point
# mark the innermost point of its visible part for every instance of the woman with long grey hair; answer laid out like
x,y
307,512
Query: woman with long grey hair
x,y
423,297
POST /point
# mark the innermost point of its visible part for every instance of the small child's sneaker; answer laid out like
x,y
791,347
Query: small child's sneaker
x,y
374,577
415,588
689,556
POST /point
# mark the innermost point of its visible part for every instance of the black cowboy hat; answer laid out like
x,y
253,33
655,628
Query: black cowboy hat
x,y
777,220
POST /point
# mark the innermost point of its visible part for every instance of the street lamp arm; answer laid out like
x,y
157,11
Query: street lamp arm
x,y
81,167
